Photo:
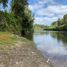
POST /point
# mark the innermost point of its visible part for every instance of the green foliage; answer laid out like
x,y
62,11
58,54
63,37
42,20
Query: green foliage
x,y
54,23
38,27
27,22
65,19
20,9
19,20
4,2
60,24
8,22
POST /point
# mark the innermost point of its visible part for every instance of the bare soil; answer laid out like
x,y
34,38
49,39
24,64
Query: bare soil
x,y
22,54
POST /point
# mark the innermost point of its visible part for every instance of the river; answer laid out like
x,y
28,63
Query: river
x,y
52,45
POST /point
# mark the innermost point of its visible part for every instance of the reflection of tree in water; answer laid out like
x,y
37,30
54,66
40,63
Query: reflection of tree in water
x,y
60,36
41,33
29,36
46,32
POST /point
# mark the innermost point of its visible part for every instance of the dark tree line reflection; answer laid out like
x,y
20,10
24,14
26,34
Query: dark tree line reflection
x,y
60,36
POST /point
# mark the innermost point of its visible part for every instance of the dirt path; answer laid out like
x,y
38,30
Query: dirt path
x,y
23,54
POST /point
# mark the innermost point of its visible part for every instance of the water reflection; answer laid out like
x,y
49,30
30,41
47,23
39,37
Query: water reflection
x,y
60,36
29,36
53,45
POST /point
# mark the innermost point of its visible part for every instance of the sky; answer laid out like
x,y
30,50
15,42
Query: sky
x,y
47,11
6,8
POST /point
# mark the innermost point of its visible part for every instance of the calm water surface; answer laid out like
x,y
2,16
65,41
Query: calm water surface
x,y
53,45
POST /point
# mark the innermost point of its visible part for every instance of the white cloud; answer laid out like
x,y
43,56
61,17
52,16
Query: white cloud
x,y
52,10
40,4
45,20
46,1
48,14
35,7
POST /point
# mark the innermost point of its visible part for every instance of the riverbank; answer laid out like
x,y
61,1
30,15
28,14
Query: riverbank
x,y
17,51
55,29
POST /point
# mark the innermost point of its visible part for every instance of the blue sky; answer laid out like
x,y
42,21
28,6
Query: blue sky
x,y
47,11
7,8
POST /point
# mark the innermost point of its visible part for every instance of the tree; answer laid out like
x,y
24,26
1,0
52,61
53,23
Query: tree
x,y
4,2
54,23
20,9
18,6
58,22
21,14
65,19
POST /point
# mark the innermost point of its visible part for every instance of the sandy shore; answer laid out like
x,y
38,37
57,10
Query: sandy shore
x,y
22,54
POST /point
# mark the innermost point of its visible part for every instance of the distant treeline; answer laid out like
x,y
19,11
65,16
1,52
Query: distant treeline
x,y
39,27
60,24
18,20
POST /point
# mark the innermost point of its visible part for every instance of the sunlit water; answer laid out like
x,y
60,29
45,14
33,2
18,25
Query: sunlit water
x,y
52,45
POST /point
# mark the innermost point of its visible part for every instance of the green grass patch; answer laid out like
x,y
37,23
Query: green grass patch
x,y
7,38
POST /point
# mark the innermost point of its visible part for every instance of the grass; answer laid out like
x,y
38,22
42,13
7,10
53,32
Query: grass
x,y
9,41
7,38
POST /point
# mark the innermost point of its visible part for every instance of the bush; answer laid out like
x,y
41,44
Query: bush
x,y
8,22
